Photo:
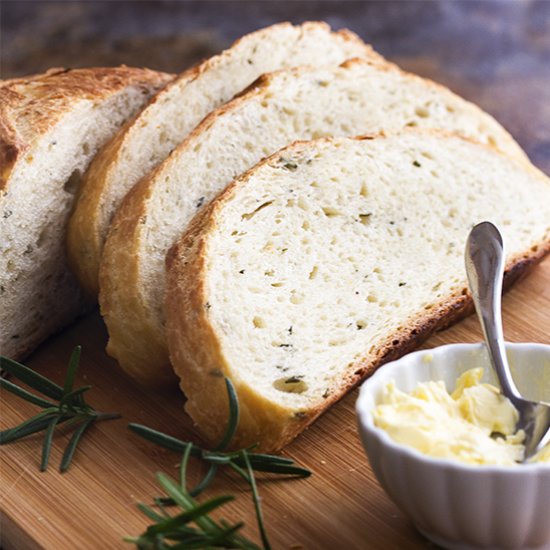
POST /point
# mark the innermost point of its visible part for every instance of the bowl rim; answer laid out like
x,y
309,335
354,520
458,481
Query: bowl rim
x,y
365,416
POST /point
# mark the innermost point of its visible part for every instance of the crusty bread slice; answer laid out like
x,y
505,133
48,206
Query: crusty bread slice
x,y
328,259
177,109
302,103
50,127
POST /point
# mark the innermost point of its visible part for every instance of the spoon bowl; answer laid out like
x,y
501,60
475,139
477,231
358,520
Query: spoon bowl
x,y
485,268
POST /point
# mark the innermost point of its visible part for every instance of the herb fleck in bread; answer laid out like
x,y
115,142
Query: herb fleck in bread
x,y
302,103
176,110
329,258
51,125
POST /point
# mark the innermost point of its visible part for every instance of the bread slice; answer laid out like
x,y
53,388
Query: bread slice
x,y
175,111
329,258
303,103
51,125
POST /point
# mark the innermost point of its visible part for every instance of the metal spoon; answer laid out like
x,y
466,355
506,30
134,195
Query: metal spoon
x,y
485,268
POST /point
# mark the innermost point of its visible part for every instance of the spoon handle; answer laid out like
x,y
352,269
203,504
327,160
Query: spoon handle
x,y
485,268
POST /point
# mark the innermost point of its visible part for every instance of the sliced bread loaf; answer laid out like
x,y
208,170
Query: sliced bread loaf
x,y
51,125
303,103
176,110
328,259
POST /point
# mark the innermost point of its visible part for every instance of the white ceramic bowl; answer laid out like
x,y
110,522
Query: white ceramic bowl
x,y
457,505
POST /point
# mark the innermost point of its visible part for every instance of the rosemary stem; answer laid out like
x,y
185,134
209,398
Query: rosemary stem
x,y
257,503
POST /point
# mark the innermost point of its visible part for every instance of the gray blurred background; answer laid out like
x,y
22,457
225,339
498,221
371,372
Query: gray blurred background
x,y
494,52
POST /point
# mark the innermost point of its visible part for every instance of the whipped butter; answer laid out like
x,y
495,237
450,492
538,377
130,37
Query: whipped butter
x,y
475,424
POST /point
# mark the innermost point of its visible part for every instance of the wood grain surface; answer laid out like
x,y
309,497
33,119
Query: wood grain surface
x,y
92,506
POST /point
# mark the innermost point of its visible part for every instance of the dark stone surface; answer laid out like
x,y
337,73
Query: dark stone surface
x,y
496,53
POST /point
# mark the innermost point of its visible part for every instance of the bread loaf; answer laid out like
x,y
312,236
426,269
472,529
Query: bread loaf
x,y
328,259
51,125
303,103
176,110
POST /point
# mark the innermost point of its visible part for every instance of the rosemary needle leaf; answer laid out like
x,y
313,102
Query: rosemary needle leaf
x,y
47,446
233,420
71,371
256,499
205,482
150,513
197,511
31,378
285,469
71,447
256,458
24,394
174,491
30,426
164,440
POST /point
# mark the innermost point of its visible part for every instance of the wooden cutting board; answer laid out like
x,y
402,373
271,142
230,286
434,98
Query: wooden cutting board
x,y
92,506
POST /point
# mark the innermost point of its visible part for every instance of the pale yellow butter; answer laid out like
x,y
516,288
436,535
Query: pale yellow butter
x,y
457,426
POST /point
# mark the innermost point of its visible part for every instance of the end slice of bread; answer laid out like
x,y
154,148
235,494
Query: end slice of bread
x,y
51,125
328,259
303,103
176,110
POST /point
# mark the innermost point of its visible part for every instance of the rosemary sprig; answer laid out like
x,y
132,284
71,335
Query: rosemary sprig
x,y
177,532
242,461
71,409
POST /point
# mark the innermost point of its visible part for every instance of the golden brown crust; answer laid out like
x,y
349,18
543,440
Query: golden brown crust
x,y
120,290
195,349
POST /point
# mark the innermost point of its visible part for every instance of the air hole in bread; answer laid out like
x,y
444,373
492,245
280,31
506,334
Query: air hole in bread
x,y
422,112
365,218
86,148
249,215
292,384
330,211
258,322
73,182
313,272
